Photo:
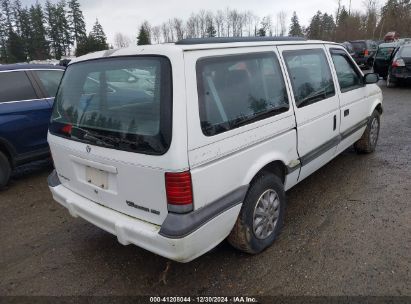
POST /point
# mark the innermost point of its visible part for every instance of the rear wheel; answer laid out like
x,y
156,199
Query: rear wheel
x,y
5,170
261,216
369,139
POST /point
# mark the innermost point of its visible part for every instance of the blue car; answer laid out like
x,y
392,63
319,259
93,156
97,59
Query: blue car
x,y
26,99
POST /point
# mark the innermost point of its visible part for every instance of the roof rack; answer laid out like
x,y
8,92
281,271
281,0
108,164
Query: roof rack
x,y
189,41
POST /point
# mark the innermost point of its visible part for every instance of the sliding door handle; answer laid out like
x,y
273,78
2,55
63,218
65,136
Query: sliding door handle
x,y
335,122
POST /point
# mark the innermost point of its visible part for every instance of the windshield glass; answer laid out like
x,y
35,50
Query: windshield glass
x,y
123,103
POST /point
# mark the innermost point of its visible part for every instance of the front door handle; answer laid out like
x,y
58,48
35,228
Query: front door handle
x,y
335,122
346,112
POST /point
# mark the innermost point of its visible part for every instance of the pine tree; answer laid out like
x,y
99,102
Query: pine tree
x,y
295,27
99,36
210,31
15,48
95,41
52,30
76,21
39,46
314,30
65,38
144,36
3,37
26,30
7,11
327,27
17,16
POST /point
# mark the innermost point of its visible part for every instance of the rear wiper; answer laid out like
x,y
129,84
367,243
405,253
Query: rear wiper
x,y
93,137
260,115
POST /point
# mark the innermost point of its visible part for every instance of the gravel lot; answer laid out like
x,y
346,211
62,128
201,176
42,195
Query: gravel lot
x,y
347,232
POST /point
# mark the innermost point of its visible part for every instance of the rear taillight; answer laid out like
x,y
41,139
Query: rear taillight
x,y
66,129
366,53
179,192
398,63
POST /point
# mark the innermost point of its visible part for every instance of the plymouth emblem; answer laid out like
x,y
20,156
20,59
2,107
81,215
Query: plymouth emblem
x,y
88,149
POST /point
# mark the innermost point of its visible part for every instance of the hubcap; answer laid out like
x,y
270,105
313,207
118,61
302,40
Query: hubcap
x,y
374,131
266,213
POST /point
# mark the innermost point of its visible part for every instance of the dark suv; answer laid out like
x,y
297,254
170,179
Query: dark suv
x,y
26,99
400,68
364,51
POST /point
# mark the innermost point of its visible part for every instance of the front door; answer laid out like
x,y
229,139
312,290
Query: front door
x,y
316,105
354,104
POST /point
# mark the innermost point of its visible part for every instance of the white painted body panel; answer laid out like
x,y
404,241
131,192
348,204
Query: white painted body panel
x,y
218,164
224,162
138,178
129,230
315,122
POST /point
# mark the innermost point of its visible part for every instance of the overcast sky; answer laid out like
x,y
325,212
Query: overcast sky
x,y
125,16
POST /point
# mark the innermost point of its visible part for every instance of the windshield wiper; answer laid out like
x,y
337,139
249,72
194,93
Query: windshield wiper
x,y
257,116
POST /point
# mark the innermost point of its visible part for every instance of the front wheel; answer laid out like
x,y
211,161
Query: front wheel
x,y
368,141
261,216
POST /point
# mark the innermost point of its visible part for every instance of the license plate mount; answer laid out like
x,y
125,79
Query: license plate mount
x,y
97,177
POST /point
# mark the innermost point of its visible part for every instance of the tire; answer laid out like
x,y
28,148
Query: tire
x,y
5,170
243,235
390,83
368,141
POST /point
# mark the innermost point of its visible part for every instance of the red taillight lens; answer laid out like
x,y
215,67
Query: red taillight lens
x,y
398,63
366,53
179,191
67,129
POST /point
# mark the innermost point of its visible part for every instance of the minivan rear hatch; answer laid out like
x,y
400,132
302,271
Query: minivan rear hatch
x,y
110,116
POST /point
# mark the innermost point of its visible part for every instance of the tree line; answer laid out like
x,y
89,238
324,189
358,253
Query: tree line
x,y
58,29
345,24
42,32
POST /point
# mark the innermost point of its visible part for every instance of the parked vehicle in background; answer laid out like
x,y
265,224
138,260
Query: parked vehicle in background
x,y
399,71
26,99
218,130
364,51
383,58
348,46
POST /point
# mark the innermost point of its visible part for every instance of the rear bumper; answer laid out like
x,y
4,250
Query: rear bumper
x,y
129,230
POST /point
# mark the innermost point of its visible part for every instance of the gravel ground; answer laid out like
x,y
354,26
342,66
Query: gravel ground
x,y
347,232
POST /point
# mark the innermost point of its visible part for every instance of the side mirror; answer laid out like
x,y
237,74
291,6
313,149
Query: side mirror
x,y
371,78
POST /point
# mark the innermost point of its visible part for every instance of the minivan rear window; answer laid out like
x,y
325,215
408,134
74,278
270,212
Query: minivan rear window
x,y
123,103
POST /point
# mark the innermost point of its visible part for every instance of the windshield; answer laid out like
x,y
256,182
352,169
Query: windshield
x,y
122,103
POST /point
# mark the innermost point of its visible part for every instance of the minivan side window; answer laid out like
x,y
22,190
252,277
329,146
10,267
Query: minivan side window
x,y
50,80
348,76
310,76
236,90
16,86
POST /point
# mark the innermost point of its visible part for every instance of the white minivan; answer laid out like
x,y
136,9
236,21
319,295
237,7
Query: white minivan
x,y
176,147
